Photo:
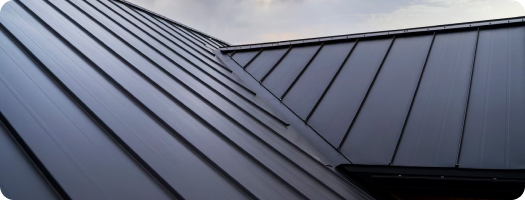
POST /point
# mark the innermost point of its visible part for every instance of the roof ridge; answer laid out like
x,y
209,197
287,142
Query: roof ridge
x,y
171,20
441,27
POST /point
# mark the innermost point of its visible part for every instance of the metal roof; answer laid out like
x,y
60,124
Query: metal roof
x,y
444,97
101,99
418,30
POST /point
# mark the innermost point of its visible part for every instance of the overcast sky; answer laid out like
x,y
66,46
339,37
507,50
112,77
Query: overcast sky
x,y
253,21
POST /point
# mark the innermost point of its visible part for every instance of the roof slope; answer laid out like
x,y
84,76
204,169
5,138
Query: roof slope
x,y
109,101
450,96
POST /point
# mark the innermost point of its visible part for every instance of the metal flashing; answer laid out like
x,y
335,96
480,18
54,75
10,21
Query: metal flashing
x,y
438,28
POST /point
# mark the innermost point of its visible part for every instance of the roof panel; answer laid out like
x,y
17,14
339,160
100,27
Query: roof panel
x,y
72,129
336,111
181,35
494,127
376,130
67,128
175,39
288,69
242,58
264,62
162,157
183,102
214,81
433,131
190,35
206,41
131,98
308,89
45,148
17,172
138,124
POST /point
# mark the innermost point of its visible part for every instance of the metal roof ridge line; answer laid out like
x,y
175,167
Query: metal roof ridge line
x,y
453,26
168,19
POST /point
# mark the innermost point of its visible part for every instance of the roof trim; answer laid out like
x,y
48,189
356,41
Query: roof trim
x,y
447,27
169,20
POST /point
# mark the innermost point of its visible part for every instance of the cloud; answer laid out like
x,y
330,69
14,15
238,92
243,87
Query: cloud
x,y
436,12
251,21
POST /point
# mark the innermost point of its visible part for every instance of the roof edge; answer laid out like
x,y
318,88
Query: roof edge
x,y
443,27
170,20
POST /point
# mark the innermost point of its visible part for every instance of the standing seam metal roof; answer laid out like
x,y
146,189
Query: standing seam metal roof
x,y
109,101
426,97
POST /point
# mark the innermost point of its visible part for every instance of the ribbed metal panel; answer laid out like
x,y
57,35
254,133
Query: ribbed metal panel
x,y
433,130
264,62
496,111
244,58
288,69
316,78
337,109
373,135
103,100
18,175
432,97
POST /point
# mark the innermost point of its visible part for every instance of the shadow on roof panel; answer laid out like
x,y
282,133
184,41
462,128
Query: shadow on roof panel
x,y
376,130
288,69
495,128
308,89
264,62
433,131
336,111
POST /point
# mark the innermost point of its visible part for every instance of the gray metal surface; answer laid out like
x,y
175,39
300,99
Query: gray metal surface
x,y
116,103
433,98
336,111
494,127
156,15
264,62
18,175
47,118
433,130
375,132
310,86
441,96
288,69
244,57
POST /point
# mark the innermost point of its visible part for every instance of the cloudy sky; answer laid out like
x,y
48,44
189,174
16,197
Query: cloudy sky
x,y
253,21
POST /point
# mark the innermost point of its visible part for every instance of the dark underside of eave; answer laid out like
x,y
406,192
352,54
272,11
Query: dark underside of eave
x,y
437,183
